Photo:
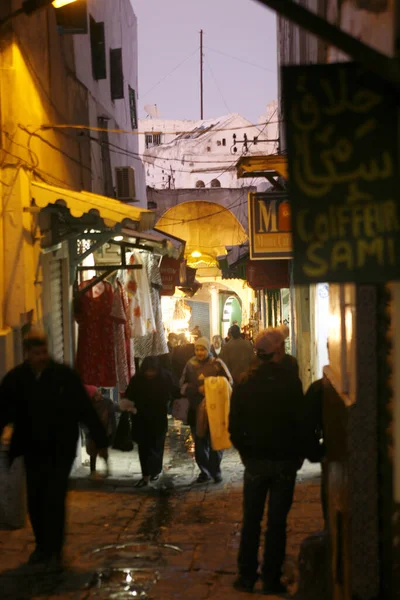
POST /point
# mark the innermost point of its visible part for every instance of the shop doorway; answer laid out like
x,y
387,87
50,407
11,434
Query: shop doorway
x,y
321,328
231,314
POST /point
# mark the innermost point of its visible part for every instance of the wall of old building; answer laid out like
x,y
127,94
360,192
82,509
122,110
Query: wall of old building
x,y
121,31
357,407
37,89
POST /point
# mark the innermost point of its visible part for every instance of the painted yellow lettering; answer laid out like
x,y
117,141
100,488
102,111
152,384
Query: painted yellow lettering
x,y
391,216
342,254
343,220
370,248
268,217
317,266
301,226
322,227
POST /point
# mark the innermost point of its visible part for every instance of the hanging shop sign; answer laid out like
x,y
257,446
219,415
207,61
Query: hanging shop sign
x,y
271,274
341,130
270,226
169,268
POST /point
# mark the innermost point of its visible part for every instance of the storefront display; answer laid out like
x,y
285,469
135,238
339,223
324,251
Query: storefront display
x,y
95,357
118,312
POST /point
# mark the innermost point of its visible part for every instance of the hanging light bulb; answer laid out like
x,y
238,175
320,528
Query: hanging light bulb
x,y
61,3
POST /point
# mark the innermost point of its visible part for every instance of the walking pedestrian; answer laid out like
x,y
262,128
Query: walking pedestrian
x,y
151,390
216,347
287,360
45,401
268,426
237,354
105,410
314,403
201,366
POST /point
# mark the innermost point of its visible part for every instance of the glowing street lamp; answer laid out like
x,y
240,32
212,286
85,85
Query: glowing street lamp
x,y
30,6
60,3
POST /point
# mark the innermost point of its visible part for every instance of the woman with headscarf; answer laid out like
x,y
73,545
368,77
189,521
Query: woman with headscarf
x,y
151,390
198,368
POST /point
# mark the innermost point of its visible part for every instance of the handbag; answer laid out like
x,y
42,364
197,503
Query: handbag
x,y
180,409
123,436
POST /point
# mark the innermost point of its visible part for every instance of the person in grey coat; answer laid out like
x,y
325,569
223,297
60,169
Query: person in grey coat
x,y
237,354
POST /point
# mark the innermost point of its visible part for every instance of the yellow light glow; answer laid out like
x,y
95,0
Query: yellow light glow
x,y
60,3
118,238
196,254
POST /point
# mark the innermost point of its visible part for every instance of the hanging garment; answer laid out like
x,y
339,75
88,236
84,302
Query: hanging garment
x,y
155,342
95,360
121,348
138,290
130,352
218,395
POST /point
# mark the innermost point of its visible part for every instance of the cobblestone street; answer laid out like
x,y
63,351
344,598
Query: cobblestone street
x,y
176,540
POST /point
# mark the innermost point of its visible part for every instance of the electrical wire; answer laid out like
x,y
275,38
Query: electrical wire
x,y
246,62
136,132
216,84
170,73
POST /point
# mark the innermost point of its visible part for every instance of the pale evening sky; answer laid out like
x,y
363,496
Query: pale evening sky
x,y
233,29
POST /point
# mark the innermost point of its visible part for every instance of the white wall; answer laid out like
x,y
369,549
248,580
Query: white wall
x,y
120,32
180,163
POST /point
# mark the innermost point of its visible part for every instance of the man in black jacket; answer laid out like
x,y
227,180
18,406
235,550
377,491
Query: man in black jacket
x,y
45,401
268,426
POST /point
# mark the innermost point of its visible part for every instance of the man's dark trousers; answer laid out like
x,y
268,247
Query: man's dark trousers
x,y
47,486
263,477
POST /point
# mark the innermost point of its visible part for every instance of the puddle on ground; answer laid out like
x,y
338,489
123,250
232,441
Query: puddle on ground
x,y
121,584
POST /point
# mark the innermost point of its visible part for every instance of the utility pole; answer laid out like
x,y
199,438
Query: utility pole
x,y
201,77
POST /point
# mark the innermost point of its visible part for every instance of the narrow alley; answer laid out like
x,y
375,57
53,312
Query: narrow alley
x,y
176,540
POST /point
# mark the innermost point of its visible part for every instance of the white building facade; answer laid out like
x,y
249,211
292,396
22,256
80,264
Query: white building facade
x,y
107,64
198,154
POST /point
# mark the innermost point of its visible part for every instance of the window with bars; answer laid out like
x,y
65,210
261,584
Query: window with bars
x,y
132,107
116,74
153,139
98,50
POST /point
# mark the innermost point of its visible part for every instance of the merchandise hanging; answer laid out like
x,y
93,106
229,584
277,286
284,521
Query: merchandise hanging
x,y
118,312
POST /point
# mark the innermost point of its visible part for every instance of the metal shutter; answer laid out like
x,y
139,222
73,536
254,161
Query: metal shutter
x,y
200,316
57,313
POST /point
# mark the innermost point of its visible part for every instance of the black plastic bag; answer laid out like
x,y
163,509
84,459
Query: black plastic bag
x,y
123,436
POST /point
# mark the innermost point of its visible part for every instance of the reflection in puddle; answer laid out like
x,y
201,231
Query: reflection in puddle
x,y
122,584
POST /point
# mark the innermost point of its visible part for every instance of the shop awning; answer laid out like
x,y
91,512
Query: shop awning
x,y
207,227
250,166
110,210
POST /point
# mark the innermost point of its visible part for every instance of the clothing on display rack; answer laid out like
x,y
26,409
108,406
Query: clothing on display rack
x,y
95,357
155,342
122,340
138,291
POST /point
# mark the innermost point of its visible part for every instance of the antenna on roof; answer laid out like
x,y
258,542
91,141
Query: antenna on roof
x,y
201,77
152,111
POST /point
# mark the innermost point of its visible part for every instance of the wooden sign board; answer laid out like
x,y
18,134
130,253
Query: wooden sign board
x,y
341,130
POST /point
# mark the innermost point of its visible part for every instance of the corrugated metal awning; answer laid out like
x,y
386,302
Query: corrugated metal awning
x,y
80,203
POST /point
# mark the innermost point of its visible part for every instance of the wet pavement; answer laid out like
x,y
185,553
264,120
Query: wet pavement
x,y
175,540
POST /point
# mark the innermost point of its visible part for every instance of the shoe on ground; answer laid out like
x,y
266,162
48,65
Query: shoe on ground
x,y
241,584
54,565
95,476
155,478
274,589
142,483
37,557
203,478
218,479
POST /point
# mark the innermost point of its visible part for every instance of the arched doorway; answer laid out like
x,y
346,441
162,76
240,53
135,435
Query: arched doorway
x,y
231,313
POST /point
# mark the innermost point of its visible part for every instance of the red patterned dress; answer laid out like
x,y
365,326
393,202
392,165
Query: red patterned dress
x,y
95,360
